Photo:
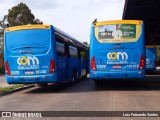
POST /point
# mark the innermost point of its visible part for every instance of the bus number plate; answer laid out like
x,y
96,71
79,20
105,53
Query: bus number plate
x,y
29,72
117,66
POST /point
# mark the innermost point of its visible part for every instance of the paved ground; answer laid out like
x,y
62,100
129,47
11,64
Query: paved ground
x,y
3,82
85,96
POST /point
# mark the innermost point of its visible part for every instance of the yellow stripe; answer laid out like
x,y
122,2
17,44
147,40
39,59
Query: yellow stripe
x,y
151,46
138,22
25,27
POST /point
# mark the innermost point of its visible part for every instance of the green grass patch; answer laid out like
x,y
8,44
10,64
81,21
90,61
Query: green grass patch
x,y
2,70
12,87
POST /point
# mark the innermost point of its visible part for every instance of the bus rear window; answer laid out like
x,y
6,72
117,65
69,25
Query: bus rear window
x,y
118,33
31,38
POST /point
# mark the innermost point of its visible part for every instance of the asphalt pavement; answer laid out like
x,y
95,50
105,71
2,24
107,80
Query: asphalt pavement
x,y
86,96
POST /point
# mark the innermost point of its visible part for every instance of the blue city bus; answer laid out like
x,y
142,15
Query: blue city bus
x,y
117,50
43,54
151,57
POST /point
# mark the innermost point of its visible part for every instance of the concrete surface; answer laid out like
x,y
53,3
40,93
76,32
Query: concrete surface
x,y
86,96
3,82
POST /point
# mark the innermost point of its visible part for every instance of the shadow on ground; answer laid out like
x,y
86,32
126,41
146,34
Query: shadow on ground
x,y
151,83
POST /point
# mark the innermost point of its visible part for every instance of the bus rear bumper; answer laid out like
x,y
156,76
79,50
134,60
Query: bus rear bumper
x,y
151,69
50,78
117,75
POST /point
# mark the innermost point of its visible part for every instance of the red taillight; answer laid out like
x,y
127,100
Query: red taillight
x,y
154,63
52,66
93,63
142,63
7,69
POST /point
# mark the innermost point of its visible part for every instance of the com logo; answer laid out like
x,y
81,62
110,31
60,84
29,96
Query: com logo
x,y
117,55
28,61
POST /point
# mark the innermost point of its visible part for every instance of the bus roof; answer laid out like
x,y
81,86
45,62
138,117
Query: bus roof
x,y
139,22
68,39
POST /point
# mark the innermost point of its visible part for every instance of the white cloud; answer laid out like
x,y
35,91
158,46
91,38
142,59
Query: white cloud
x,y
72,16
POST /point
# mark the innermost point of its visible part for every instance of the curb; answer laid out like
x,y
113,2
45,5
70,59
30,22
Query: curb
x,y
17,90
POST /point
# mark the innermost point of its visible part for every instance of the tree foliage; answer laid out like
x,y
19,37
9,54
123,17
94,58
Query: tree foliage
x,y
86,43
21,15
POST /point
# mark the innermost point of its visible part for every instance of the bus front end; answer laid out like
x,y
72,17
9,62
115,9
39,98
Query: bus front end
x,y
28,54
117,50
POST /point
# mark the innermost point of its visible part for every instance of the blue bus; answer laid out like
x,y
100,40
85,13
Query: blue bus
x,y
43,54
151,57
117,50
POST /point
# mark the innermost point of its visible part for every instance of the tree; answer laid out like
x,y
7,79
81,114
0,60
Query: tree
x,y
18,15
21,15
86,43
3,25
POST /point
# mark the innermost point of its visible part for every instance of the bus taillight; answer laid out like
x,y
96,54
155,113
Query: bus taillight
x,y
93,63
7,69
142,63
52,66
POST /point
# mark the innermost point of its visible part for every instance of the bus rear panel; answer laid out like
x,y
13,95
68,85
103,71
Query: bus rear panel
x,y
29,56
117,50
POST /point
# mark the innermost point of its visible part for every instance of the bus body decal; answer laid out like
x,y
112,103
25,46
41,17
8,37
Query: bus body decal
x,y
26,61
116,55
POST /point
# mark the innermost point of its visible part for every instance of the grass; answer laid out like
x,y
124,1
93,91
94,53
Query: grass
x,y
2,70
7,89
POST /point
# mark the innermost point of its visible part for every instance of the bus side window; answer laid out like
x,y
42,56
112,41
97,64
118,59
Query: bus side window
x,y
60,49
73,51
79,53
84,54
66,50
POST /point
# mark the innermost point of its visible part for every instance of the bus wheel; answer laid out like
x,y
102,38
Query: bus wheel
x,y
41,84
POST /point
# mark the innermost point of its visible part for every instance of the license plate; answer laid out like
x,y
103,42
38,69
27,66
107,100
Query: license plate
x,y
29,72
117,66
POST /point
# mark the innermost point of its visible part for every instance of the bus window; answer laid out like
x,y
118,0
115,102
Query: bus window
x,y
84,54
118,33
60,49
73,51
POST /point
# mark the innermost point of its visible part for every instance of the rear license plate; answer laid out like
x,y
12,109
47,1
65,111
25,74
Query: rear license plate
x,y
28,72
117,66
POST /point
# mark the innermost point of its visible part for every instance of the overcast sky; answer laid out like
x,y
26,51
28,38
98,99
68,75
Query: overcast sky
x,y
72,16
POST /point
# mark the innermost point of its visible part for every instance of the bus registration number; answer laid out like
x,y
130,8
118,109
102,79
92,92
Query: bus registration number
x,y
29,72
117,66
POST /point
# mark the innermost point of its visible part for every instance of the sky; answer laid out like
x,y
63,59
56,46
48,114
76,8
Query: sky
x,y
71,16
